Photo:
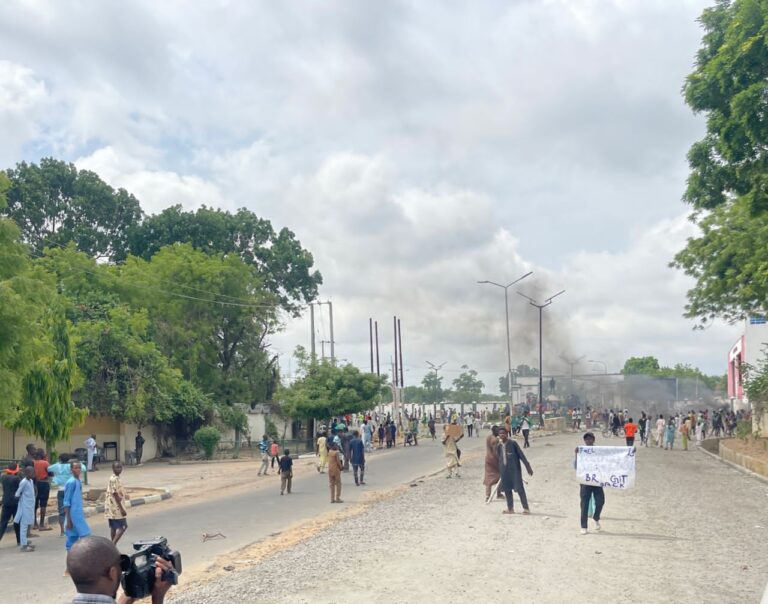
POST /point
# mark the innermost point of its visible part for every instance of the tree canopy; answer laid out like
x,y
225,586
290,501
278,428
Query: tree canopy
x,y
467,388
728,182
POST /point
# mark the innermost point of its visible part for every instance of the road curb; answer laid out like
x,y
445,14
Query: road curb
x,y
736,466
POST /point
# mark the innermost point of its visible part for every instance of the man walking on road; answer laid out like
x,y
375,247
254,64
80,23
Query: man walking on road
x,y
75,527
630,429
114,504
526,427
264,449
357,454
90,444
61,472
452,435
588,491
491,474
285,465
25,512
510,455
321,450
334,473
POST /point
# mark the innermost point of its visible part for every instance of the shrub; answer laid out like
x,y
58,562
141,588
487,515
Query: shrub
x,y
743,429
207,438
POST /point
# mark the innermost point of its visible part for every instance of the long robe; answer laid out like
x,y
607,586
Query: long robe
x,y
25,512
510,472
491,461
73,499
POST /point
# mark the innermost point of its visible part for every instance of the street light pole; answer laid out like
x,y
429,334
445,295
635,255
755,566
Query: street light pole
x,y
605,372
506,315
541,306
435,369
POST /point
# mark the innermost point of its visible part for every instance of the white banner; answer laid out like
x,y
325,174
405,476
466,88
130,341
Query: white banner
x,y
612,467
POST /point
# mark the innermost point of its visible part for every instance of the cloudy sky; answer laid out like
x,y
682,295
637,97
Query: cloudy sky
x,y
414,147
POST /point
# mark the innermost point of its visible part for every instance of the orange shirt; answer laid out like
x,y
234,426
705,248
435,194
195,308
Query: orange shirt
x,y
630,430
41,469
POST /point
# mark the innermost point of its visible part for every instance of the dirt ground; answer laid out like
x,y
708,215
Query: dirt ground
x,y
754,447
693,530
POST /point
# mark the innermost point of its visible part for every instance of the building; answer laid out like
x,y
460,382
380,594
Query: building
x,y
749,349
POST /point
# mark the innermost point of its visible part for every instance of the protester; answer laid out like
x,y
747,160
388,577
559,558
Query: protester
x,y
431,426
684,431
357,457
367,435
469,423
334,473
264,449
75,526
285,466
61,472
42,489
114,505
451,450
29,458
381,434
139,443
25,512
588,491
641,424
525,425
346,439
10,480
630,429
321,450
392,434
94,565
669,442
491,470
274,453
510,455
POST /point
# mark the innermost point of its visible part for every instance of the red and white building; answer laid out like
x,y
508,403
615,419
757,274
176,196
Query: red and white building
x,y
751,349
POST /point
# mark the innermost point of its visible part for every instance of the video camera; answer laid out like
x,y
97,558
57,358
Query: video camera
x,y
139,568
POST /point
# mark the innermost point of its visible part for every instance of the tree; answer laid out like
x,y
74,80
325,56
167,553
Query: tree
x,y
641,366
467,387
433,388
728,183
54,203
47,409
324,389
284,267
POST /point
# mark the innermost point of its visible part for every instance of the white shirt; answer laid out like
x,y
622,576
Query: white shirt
x,y
90,443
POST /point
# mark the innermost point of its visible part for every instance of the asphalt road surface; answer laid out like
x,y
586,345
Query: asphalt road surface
x,y
245,516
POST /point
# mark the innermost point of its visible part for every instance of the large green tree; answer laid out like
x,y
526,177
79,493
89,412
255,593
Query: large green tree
x,y
324,389
433,388
284,267
467,388
728,183
54,203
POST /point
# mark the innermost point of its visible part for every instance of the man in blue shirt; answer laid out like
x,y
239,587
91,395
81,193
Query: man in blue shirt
x,y
61,473
76,527
357,455
264,448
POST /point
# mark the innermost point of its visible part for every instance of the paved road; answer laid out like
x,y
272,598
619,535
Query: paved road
x,y
244,516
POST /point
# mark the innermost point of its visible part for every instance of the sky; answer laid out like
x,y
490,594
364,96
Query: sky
x,y
415,148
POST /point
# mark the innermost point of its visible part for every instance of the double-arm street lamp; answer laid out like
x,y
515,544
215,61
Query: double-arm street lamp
x,y
541,306
506,314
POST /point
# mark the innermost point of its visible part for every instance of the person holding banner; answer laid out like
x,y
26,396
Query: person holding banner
x,y
587,491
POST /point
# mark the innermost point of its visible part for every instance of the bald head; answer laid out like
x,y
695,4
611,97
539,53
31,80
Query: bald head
x,y
90,563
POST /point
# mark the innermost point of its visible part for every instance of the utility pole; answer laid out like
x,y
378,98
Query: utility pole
x,y
312,327
541,306
400,349
330,314
509,351
322,347
376,332
572,363
370,336
435,369
396,377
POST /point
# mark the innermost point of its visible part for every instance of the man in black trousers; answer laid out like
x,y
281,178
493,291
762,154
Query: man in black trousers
x,y
588,491
510,455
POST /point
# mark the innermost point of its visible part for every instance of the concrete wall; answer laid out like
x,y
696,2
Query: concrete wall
x,y
756,465
106,429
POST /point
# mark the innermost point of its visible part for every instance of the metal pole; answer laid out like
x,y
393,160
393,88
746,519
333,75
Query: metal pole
x,y
330,314
312,327
509,351
394,367
400,349
376,332
370,336
541,368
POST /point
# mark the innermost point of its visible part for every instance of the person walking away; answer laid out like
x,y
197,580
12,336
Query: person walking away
x,y
114,505
334,473
660,427
641,428
346,439
380,434
264,449
669,431
285,466
42,488
367,435
588,491
321,450
75,526
451,450
491,469
510,455
139,444
684,431
393,434
630,429
10,480
357,457
478,424
469,422
61,473
274,453
525,424
431,426
25,512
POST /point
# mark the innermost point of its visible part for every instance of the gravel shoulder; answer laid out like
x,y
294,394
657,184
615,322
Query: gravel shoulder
x,y
692,530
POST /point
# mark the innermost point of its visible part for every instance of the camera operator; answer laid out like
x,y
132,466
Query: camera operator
x,y
94,565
